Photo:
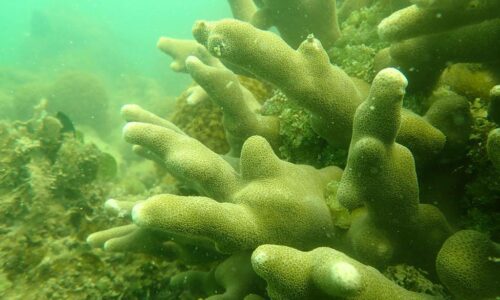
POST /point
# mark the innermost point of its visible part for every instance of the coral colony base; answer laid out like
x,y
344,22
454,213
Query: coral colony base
x,y
270,213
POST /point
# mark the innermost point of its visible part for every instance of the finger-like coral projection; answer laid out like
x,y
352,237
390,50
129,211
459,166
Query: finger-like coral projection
x,y
179,50
322,273
249,215
241,111
238,211
241,117
428,35
379,235
242,9
307,78
304,75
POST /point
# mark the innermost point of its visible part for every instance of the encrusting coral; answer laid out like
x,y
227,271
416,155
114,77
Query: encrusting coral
x,y
255,219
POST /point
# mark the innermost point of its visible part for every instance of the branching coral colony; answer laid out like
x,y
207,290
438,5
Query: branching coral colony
x,y
281,230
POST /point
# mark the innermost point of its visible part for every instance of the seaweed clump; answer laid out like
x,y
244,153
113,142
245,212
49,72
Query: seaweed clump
x,y
415,279
482,191
51,183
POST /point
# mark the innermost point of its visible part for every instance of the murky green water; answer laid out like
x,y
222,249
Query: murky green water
x,y
380,156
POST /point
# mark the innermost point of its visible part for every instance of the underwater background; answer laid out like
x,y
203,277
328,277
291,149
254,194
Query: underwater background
x,y
109,39
200,207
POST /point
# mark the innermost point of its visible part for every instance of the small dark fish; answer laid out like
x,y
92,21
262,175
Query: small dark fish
x,y
66,122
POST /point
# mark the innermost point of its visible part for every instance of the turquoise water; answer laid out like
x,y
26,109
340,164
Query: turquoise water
x,y
102,36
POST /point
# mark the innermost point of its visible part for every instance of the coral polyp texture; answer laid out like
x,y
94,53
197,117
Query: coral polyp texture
x,y
239,210
468,264
306,77
415,196
322,273
375,160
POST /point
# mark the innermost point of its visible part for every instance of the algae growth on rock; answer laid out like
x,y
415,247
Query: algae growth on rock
x,y
348,153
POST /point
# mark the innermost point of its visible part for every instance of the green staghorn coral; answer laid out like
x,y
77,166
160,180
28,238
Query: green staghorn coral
x,y
242,212
241,117
378,235
309,233
243,197
307,78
